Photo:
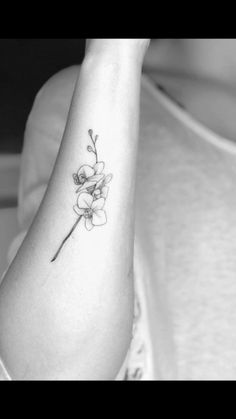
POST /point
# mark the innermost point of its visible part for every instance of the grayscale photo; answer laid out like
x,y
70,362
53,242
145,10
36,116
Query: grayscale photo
x,y
118,209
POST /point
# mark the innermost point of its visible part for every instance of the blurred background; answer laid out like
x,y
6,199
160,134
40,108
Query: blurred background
x,y
25,65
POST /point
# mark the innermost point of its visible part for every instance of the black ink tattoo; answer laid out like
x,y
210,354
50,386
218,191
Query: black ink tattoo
x,y
92,193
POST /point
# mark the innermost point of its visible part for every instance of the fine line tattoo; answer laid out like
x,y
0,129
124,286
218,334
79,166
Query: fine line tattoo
x,y
92,193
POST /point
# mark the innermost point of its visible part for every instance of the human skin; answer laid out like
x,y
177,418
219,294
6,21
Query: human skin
x,y
69,314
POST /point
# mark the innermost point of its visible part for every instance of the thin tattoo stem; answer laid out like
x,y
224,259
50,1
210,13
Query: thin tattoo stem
x,y
67,237
94,143
94,152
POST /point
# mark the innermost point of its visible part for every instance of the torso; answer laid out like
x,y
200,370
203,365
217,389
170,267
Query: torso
x,y
185,243
211,103
211,100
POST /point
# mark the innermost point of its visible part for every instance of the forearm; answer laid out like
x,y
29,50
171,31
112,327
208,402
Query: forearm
x,y
68,298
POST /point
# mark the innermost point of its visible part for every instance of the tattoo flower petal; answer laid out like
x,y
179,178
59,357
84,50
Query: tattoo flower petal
x,y
104,181
104,192
79,211
99,218
98,204
91,181
88,224
91,210
85,200
99,167
85,172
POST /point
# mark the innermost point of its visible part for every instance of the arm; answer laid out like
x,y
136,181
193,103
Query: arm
x,y
66,302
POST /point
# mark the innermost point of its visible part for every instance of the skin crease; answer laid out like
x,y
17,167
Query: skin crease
x,y
201,75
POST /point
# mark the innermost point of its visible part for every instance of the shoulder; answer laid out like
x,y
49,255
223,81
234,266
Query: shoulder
x,y
55,96
61,82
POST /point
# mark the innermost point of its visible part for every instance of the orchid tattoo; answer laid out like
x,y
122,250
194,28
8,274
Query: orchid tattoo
x,y
92,193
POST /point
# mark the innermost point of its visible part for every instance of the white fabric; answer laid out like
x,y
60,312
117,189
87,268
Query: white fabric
x,y
185,236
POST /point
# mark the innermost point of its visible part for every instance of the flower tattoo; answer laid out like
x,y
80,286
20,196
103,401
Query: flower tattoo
x,y
92,193
91,209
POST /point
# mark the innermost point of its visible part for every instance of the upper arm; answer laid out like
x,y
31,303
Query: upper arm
x,y
43,134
